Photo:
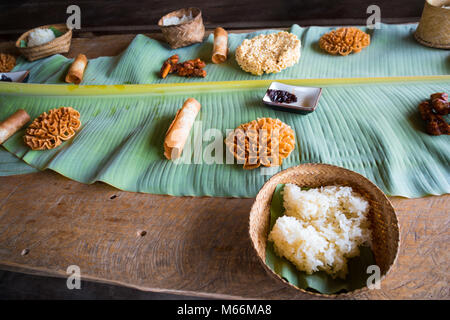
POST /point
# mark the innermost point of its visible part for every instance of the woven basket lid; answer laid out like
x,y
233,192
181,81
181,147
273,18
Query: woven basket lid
x,y
384,224
434,25
186,33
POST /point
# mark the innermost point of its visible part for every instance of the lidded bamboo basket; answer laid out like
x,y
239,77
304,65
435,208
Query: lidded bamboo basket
x,y
60,44
384,224
185,33
434,25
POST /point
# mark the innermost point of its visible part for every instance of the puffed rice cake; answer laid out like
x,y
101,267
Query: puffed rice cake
x,y
269,53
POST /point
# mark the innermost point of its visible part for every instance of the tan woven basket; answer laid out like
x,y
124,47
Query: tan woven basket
x,y
384,224
434,26
60,44
186,33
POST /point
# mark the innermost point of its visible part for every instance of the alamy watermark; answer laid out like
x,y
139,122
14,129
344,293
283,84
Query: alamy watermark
x,y
74,20
374,280
248,148
74,279
374,20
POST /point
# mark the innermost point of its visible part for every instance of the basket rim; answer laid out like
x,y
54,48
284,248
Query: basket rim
x,y
195,10
325,295
66,31
431,44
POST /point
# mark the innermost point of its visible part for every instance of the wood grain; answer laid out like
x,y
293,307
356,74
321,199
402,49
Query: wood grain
x,y
192,245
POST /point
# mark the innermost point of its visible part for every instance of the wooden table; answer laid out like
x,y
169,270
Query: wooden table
x,y
195,246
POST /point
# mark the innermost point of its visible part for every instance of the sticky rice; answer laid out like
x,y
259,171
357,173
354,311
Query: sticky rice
x,y
322,228
171,21
40,36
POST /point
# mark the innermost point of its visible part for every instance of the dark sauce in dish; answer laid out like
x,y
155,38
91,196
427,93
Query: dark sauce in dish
x,y
281,96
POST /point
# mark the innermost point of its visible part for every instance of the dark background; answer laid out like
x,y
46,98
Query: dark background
x,y
133,16
114,16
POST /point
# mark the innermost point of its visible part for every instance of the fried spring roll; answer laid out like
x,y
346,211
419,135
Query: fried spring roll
x,y
179,130
13,124
76,71
220,49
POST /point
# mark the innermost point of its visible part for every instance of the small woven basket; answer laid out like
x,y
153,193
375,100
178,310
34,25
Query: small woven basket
x,y
434,26
60,44
186,33
384,225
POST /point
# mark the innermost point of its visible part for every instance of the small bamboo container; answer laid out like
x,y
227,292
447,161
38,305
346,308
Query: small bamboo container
x,y
186,33
384,224
434,26
60,44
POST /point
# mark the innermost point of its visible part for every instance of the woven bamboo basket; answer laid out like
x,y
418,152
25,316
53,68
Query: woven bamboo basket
x,y
384,224
186,33
60,44
434,26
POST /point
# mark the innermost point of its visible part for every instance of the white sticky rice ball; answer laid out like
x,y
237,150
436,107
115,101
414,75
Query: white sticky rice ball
x,y
322,228
40,36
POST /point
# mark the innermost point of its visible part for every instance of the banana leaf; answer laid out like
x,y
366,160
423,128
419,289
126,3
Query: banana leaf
x,y
392,52
11,165
318,281
56,32
369,127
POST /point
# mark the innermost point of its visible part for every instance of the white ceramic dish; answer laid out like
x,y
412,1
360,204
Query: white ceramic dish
x,y
307,98
18,76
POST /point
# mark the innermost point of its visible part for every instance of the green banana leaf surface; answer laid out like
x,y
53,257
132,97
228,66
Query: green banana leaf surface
x,y
11,165
318,281
371,128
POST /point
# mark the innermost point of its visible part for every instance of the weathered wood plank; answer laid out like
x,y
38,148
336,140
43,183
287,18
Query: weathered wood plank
x,y
193,245
138,15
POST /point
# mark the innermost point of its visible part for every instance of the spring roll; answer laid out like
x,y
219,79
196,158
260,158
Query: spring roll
x,y
178,132
13,124
76,70
220,49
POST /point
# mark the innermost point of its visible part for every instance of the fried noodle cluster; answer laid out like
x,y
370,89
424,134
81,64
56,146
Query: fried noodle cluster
x,y
264,141
50,129
344,41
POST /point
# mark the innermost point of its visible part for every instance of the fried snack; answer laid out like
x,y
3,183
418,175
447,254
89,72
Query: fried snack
x,y
76,70
431,112
437,126
50,129
440,103
11,125
439,95
220,48
7,62
189,68
269,53
344,41
179,129
264,141
425,110
169,66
